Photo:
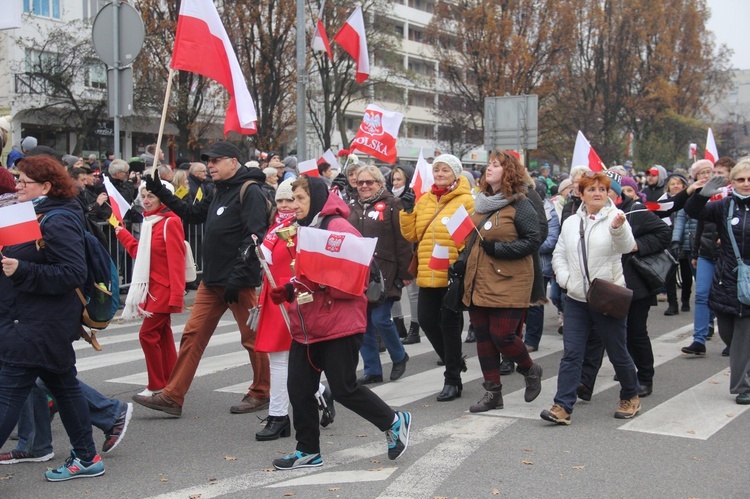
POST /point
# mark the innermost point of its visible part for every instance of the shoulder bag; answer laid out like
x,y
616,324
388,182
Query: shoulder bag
x,y
743,270
605,297
654,268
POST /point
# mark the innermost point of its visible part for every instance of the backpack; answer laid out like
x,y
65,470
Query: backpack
x,y
270,206
376,283
100,293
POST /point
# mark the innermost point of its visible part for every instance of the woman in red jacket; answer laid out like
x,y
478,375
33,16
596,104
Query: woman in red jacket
x,y
157,287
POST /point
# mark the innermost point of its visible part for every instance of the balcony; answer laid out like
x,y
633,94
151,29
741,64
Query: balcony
x,y
29,84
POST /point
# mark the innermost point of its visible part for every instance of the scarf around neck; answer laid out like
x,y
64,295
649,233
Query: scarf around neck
x,y
485,203
373,198
138,292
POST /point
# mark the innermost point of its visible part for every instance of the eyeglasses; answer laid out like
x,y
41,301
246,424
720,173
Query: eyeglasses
x,y
216,160
741,180
368,183
24,183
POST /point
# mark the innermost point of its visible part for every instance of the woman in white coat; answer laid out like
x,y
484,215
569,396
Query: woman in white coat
x,y
607,235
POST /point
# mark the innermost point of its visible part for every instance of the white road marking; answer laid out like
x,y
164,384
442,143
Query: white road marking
x,y
209,365
106,339
334,477
698,412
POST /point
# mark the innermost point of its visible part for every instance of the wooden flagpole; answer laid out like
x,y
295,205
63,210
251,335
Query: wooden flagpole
x,y
163,118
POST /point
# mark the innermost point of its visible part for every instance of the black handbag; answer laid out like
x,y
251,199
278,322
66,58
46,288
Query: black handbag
x,y
654,268
605,297
453,299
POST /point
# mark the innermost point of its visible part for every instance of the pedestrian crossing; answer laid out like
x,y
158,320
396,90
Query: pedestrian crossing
x,y
708,401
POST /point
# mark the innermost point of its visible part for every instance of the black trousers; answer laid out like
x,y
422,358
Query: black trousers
x,y
338,359
639,346
686,273
443,328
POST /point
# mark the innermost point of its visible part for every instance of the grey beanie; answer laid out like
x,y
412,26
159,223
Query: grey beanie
x,y
28,143
290,162
452,161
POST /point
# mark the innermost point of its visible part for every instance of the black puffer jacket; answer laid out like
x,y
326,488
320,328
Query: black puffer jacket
x,y
229,226
723,295
40,313
651,235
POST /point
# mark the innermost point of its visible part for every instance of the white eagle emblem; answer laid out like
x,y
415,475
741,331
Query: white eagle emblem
x,y
372,123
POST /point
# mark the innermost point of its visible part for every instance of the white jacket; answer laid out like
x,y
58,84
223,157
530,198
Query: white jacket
x,y
604,247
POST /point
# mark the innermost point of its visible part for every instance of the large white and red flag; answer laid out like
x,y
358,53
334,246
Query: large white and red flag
x,y
330,158
460,225
320,38
202,46
340,260
422,180
119,206
584,154
309,168
711,154
18,224
352,38
378,133
440,258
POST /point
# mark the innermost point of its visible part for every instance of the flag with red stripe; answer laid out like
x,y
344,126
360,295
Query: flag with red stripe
x,y
340,260
422,180
330,158
309,168
584,154
352,38
18,224
460,225
711,154
119,206
440,259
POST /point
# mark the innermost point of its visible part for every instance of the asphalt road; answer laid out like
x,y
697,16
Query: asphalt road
x,y
689,441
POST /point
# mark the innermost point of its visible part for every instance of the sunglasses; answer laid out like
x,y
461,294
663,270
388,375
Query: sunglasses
x,y
741,180
368,183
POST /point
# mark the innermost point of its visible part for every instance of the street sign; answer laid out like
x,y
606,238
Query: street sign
x,y
511,122
125,94
130,30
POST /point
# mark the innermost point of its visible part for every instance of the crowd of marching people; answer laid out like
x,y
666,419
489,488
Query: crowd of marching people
x,y
499,242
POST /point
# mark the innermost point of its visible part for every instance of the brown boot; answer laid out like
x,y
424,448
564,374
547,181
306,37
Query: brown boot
x,y
556,415
159,402
628,409
492,399
249,404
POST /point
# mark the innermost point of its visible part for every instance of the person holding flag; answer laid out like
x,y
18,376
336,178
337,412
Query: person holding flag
x,y
40,313
327,323
499,276
426,224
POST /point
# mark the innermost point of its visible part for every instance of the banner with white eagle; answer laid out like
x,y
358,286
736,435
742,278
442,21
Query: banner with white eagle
x,y
378,133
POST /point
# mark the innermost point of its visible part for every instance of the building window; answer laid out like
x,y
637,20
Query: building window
x,y
96,75
389,93
422,67
420,131
423,5
421,99
43,8
416,34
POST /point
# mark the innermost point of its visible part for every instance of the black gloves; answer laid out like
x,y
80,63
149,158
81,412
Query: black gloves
x,y
408,200
458,269
153,183
713,186
231,295
488,247
341,182
674,248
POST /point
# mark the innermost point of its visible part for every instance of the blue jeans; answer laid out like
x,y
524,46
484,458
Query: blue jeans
x,y
34,428
704,275
535,322
578,323
556,295
379,322
17,382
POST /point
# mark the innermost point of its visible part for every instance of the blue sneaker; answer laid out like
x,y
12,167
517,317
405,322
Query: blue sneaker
x,y
398,435
298,460
75,468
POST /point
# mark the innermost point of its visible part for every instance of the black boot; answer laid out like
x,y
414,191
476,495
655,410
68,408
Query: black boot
x,y
470,336
672,309
276,426
400,326
413,335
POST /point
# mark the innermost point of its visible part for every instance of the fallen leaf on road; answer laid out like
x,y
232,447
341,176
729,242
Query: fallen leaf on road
x,y
527,462
212,479
334,489
528,450
692,432
579,467
376,461
361,435
696,458
194,496
730,415
7,477
268,469
289,494
164,479
376,469
230,458
713,382
495,492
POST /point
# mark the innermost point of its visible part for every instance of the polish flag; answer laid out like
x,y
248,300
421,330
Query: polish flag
x,y
378,133
18,224
659,205
202,46
330,158
440,259
711,154
352,38
693,151
309,168
340,260
422,180
584,154
119,206
460,225
320,38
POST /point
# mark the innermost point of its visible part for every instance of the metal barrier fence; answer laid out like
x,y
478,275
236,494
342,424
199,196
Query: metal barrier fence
x,y
123,262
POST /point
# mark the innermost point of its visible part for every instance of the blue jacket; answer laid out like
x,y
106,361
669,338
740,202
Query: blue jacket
x,y
40,313
683,232
548,246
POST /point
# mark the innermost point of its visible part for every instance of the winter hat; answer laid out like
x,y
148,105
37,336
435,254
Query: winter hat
x,y
290,162
284,190
616,184
680,176
628,182
7,182
71,160
540,186
28,143
700,165
564,185
453,162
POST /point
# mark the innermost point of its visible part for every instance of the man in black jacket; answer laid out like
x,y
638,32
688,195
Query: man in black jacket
x,y
228,281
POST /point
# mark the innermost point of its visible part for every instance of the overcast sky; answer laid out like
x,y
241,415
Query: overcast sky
x,y
730,23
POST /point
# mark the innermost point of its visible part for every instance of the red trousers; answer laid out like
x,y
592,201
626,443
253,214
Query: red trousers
x,y
157,343
208,308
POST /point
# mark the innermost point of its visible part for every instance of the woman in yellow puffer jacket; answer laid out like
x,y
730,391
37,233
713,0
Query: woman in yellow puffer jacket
x,y
426,224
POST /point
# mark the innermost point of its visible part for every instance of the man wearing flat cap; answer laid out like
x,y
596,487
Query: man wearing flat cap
x,y
228,280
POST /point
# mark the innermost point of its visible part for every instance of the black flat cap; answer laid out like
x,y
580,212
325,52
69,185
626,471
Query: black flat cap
x,y
222,149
